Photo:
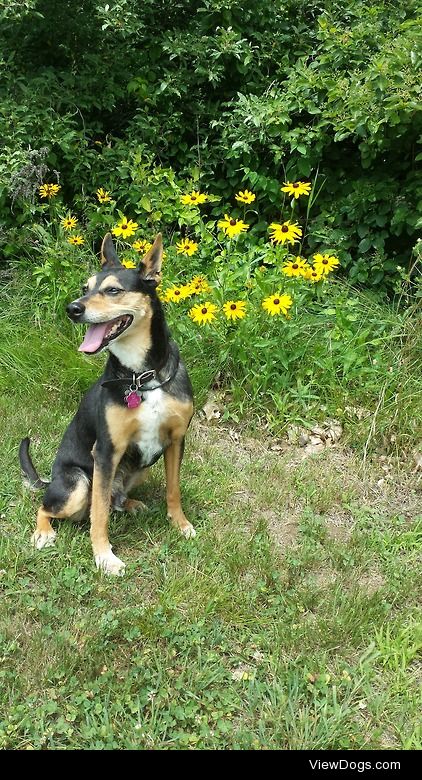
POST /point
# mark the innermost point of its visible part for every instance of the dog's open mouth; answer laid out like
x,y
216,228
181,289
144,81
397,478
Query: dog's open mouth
x,y
98,336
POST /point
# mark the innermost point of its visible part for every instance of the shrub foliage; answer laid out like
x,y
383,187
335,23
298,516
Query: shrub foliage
x,y
229,93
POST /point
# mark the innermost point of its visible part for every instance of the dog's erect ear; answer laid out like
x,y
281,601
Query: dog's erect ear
x,y
150,267
109,257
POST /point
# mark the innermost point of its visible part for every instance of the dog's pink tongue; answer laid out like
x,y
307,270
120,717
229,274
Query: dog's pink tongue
x,y
93,338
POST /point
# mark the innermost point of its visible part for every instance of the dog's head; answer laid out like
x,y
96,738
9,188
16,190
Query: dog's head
x,y
117,300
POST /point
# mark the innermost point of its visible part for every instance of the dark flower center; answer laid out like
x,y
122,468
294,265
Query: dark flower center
x,y
204,310
296,184
233,222
295,266
284,229
325,262
124,227
276,301
233,306
177,292
193,197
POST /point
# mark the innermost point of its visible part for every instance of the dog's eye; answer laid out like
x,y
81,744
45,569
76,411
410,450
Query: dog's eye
x,y
112,290
84,289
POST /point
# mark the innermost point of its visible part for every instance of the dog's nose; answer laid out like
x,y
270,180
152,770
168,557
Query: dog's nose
x,y
75,310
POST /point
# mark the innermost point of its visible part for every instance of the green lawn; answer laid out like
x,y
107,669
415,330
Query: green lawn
x,y
290,621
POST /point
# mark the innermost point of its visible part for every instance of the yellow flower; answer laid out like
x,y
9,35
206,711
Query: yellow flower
x,y
49,190
76,240
194,198
203,313
234,310
68,223
125,228
297,188
128,263
176,293
103,195
325,263
142,245
245,197
312,275
186,247
277,304
296,267
232,227
288,231
199,285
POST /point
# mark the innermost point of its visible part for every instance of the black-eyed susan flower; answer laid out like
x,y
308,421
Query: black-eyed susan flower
x,y
287,231
312,275
125,228
141,246
68,223
232,227
186,247
194,198
325,263
297,188
203,313
127,262
277,304
76,240
103,195
295,267
49,190
245,197
177,293
199,285
234,310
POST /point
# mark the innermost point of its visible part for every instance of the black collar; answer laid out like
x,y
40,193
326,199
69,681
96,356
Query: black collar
x,y
136,382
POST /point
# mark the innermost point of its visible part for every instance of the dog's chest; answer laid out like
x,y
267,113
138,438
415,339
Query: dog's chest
x,y
151,416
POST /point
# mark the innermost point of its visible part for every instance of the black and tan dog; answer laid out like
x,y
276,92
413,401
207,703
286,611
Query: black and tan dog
x,y
139,409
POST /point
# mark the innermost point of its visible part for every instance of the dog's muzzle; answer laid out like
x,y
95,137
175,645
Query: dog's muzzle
x,y
75,310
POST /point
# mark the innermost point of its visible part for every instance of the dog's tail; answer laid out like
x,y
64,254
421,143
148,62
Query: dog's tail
x,y
33,481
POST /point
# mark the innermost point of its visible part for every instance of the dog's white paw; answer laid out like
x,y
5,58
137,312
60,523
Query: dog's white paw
x,y
188,532
40,539
110,564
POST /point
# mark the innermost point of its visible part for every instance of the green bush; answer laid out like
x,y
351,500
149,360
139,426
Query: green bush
x,y
227,96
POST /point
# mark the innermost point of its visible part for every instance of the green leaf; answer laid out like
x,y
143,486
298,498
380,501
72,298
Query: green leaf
x,y
145,203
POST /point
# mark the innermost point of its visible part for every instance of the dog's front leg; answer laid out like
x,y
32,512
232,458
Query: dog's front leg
x,y
173,459
106,461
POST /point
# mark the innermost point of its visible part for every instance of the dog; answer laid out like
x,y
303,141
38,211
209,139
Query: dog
x,y
139,409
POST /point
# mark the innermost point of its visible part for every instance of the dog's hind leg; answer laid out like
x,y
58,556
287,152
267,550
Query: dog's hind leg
x,y
124,482
63,498
134,480
44,534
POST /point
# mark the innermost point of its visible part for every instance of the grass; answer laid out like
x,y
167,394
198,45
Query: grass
x,y
291,621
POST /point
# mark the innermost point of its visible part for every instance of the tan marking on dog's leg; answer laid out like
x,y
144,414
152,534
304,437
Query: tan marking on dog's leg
x,y
77,502
172,458
44,534
133,505
122,425
100,510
